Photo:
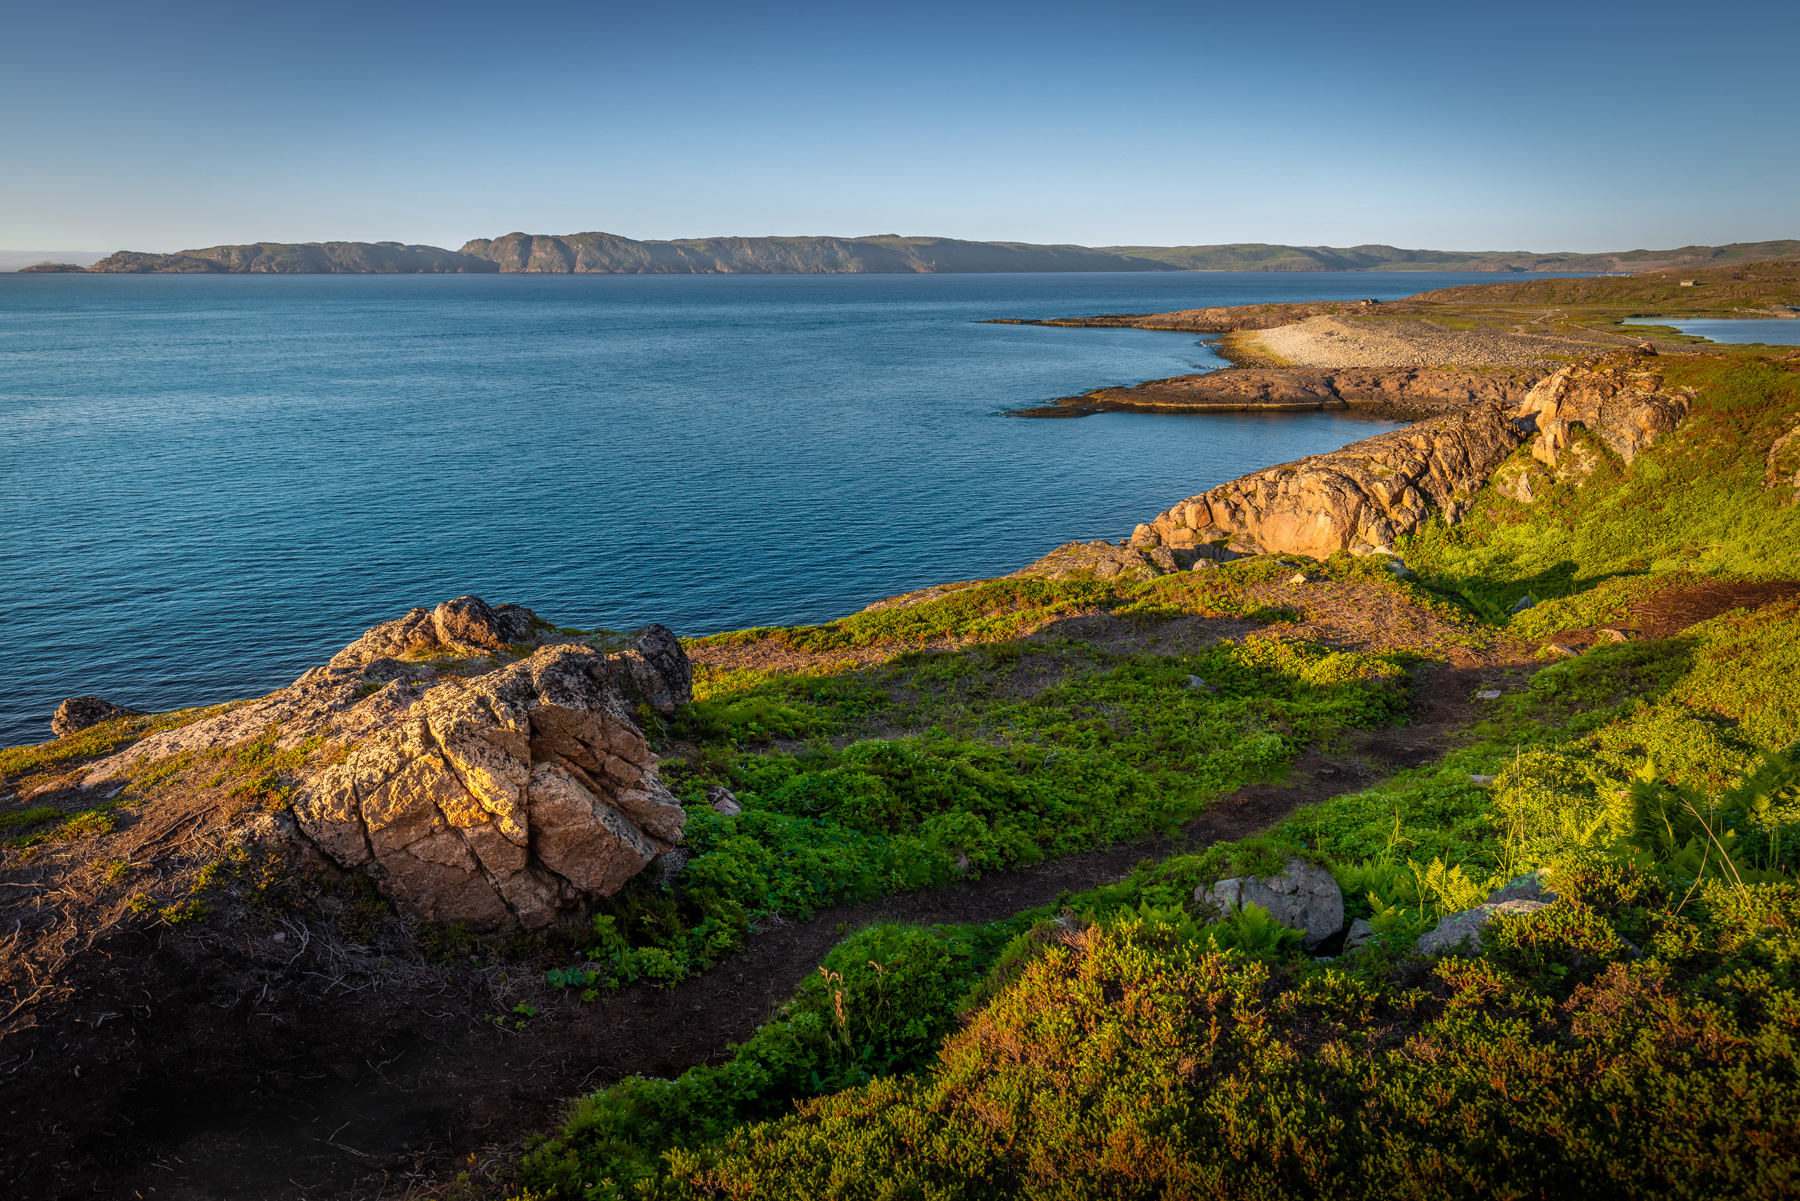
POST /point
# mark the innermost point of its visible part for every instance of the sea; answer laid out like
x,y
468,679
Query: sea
x,y
209,484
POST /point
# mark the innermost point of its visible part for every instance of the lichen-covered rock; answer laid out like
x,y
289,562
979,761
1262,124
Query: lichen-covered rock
x,y
79,712
1617,397
498,797
1360,498
1122,564
1464,929
1360,934
1303,897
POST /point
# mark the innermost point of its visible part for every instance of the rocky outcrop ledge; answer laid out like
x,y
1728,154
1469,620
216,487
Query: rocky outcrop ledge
x,y
1414,391
1360,498
489,768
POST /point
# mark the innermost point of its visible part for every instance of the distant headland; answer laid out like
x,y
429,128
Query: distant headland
x,y
610,254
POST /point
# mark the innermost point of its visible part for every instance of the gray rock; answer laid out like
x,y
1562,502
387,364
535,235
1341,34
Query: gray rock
x,y
668,867
1464,929
723,802
1533,886
1481,781
1360,935
1525,602
79,712
1304,897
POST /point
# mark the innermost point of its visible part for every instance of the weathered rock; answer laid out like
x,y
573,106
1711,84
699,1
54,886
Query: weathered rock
x,y
79,712
1464,929
468,620
723,802
1782,468
1420,389
1125,564
1360,934
1358,499
1303,897
1614,396
499,798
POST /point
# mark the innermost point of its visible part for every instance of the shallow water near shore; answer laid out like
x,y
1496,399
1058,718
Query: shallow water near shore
x,y
210,484
1771,331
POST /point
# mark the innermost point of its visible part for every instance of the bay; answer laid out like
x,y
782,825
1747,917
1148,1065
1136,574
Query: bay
x,y
210,483
1771,331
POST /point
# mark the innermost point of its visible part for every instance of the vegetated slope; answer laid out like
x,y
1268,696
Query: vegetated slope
x,y
852,783
1635,1038
1717,496
1753,287
305,258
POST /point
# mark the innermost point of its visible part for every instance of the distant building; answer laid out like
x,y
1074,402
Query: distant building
x,y
1688,283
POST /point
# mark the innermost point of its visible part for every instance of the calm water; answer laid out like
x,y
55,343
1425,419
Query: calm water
x,y
208,484
1773,331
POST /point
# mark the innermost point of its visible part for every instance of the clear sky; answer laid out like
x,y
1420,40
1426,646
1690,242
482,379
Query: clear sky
x,y
1452,125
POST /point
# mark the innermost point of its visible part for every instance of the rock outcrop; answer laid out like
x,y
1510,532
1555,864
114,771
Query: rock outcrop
x,y
1359,498
1782,469
1304,897
1526,894
1419,390
1122,564
79,712
494,772
1621,401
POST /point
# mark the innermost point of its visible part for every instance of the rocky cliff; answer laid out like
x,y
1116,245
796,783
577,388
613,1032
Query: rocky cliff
x,y
305,258
490,767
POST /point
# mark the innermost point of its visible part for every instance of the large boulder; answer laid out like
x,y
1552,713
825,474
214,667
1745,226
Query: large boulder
x,y
1360,498
1303,897
500,783
79,712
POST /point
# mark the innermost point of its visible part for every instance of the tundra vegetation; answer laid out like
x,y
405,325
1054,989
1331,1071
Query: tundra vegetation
x,y
1633,1039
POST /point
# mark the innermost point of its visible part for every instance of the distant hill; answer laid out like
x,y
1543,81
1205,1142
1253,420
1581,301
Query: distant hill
x,y
604,253
305,258
1256,256
18,260
881,254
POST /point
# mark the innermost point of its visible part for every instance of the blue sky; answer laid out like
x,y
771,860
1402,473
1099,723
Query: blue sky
x,y
1542,126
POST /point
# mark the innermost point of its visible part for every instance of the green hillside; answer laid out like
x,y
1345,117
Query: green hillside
x,y
1633,1039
